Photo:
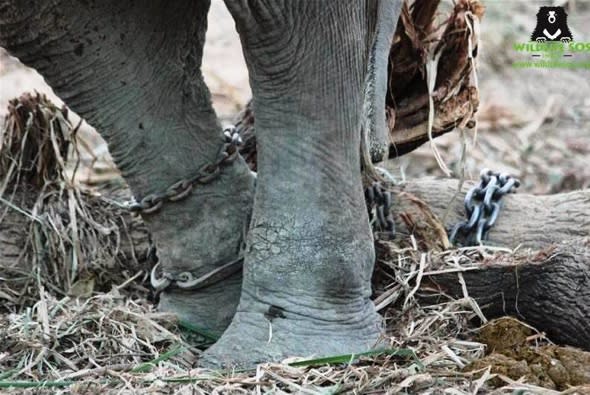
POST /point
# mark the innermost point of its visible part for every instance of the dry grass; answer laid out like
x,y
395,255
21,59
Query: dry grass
x,y
111,343
72,237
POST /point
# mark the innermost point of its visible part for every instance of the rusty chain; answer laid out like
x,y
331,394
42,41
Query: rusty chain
x,y
483,203
179,191
187,281
206,174
378,201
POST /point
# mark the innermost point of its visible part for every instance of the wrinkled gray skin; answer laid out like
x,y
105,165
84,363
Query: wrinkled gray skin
x,y
317,72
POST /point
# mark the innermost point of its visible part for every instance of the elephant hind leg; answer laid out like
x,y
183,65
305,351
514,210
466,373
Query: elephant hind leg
x,y
132,69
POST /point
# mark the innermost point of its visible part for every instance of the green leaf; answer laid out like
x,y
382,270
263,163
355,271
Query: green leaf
x,y
35,384
147,366
210,337
349,358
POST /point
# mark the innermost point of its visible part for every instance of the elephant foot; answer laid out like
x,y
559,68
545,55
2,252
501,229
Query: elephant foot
x,y
201,238
208,311
304,326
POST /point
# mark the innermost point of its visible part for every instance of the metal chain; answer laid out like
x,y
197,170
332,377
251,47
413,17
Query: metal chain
x,y
378,201
483,203
187,281
206,174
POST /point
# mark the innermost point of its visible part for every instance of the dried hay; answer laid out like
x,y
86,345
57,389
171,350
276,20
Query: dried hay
x,y
73,338
65,239
112,344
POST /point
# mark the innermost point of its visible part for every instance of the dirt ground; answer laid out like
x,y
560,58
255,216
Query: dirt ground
x,y
533,123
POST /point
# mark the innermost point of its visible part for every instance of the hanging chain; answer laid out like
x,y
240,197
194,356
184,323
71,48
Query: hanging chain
x,y
378,201
483,203
181,189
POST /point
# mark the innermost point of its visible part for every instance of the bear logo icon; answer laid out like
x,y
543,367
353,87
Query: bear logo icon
x,y
552,25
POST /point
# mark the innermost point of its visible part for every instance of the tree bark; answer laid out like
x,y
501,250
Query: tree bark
x,y
548,290
528,221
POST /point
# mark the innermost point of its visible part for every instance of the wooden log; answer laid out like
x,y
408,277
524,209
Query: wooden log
x,y
548,290
545,285
528,221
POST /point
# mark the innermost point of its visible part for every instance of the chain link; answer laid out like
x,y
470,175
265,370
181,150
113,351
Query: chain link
x,y
206,174
378,202
186,280
482,204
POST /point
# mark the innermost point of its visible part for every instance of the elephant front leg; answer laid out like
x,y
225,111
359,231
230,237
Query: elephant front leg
x,y
310,252
132,69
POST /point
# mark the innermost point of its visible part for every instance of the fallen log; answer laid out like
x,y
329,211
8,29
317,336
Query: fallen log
x,y
528,221
548,290
544,283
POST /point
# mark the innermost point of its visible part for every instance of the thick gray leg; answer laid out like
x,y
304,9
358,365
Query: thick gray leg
x,y
310,250
132,69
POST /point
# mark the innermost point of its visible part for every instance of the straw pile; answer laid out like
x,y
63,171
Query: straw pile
x,y
53,234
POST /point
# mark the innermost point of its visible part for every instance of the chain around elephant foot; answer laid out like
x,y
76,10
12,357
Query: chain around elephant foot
x,y
199,244
208,311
